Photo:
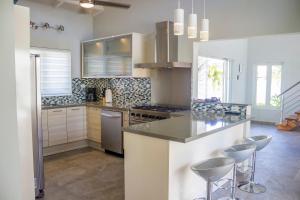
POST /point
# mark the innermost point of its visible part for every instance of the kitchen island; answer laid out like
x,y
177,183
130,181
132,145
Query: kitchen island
x,y
158,155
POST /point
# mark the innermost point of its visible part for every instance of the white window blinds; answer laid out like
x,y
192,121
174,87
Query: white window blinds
x,y
55,71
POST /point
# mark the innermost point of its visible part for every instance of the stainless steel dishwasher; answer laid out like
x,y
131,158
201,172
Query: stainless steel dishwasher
x,y
111,131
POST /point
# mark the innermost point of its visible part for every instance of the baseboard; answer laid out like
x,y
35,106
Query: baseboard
x,y
47,151
263,123
95,145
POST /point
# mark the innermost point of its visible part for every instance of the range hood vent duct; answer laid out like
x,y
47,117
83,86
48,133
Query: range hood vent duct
x,y
166,48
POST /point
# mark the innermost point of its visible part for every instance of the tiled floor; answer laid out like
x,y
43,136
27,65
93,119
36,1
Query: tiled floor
x,y
84,174
92,175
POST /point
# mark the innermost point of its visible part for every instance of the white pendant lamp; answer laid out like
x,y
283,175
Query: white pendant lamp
x,y
192,27
204,27
179,20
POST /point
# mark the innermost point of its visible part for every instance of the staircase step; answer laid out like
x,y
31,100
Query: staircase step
x,y
292,117
286,127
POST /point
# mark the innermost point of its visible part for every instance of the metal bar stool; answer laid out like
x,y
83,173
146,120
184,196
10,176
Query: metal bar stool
x,y
213,170
251,187
239,153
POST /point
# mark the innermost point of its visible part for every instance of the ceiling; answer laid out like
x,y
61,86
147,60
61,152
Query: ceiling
x,y
72,5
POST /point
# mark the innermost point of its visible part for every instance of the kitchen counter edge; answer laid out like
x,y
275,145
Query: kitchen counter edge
x,y
188,139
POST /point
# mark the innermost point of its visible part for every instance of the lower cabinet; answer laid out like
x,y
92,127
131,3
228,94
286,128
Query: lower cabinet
x,y
76,123
65,125
57,126
45,128
94,124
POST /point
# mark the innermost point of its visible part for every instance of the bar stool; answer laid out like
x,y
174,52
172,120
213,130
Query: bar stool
x,y
260,142
213,170
239,153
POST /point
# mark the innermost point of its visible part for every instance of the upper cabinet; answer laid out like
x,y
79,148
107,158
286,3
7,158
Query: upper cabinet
x,y
113,56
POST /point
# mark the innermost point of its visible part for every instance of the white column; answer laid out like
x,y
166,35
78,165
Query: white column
x,y
16,163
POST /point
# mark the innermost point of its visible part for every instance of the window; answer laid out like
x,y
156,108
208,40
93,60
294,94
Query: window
x,y
261,85
55,72
268,85
213,78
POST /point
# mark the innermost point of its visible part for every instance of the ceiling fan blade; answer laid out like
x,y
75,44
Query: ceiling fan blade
x,y
112,4
84,10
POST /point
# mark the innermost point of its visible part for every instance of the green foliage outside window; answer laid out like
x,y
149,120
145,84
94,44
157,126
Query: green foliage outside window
x,y
275,101
215,75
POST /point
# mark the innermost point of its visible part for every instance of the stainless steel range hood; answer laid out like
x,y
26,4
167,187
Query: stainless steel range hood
x,y
166,49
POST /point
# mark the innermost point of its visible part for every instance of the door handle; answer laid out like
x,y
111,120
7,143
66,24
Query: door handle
x,y
57,111
110,116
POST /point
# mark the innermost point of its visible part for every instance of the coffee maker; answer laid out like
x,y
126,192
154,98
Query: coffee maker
x,y
91,95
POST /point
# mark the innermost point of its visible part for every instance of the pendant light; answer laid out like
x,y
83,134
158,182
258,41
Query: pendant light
x,y
179,20
192,27
204,26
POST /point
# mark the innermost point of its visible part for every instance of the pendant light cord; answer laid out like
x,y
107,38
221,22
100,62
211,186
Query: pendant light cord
x,y
178,3
192,6
204,7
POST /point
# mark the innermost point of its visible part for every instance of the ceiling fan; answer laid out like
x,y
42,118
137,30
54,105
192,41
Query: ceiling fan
x,y
92,3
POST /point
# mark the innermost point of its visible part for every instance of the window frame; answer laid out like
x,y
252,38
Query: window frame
x,y
267,105
37,51
227,73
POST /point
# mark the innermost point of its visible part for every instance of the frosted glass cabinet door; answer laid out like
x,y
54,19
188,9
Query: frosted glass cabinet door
x,y
108,57
93,58
119,46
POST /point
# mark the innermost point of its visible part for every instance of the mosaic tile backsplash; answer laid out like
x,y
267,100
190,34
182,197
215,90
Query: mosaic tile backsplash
x,y
219,107
126,91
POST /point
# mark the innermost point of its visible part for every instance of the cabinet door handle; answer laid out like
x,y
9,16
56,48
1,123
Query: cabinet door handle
x,y
75,108
57,111
110,116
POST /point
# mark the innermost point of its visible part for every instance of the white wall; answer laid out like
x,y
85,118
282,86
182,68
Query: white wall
x,y
273,49
235,50
78,27
16,165
229,19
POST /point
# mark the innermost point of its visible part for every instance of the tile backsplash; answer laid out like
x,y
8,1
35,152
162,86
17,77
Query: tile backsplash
x,y
126,91
219,107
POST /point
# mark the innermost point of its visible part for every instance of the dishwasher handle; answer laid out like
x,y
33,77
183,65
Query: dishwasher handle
x,y
110,116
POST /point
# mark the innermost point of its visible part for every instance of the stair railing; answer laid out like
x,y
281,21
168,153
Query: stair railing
x,y
290,100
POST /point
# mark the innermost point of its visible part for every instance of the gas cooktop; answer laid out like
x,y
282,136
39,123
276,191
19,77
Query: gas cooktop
x,y
161,108
149,113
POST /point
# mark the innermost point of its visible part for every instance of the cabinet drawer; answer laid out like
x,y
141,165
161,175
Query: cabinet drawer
x,y
44,119
94,124
45,138
59,111
75,111
45,143
57,126
76,124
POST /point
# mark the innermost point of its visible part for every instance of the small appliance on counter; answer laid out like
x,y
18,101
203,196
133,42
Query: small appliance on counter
x,y
91,95
108,96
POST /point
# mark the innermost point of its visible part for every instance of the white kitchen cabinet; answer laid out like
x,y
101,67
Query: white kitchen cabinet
x,y
94,124
57,126
76,123
45,128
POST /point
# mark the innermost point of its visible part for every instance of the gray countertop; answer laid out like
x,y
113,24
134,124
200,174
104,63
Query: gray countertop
x,y
188,127
108,106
